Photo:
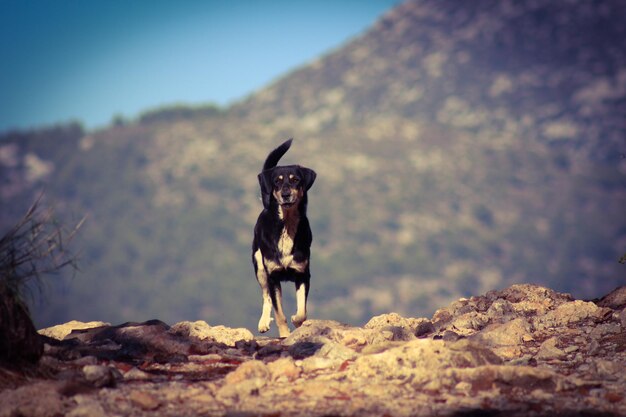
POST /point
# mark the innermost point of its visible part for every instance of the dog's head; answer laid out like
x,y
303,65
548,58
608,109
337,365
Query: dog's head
x,y
286,184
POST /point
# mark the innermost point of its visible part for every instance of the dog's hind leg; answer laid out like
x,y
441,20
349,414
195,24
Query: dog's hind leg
x,y
261,275
277,300
302,292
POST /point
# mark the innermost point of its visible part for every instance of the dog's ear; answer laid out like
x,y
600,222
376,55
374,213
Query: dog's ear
x,y
265,181
308,177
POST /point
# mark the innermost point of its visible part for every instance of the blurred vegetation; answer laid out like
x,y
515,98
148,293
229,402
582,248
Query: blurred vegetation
x,y
32,248
177,112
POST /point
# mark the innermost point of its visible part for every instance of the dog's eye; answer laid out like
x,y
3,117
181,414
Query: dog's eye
x,y
294,180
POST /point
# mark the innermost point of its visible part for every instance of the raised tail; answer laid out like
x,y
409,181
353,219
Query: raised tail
x,y
276,154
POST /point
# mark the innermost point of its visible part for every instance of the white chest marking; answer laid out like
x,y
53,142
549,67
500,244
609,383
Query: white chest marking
x,y
285,243
285,247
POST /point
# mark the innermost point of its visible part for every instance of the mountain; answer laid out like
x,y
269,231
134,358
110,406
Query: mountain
x,y
460,147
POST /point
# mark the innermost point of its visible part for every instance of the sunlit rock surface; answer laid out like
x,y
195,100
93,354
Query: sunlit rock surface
x,y
525,350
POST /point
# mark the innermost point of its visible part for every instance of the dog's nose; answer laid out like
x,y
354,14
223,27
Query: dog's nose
x,y
285,195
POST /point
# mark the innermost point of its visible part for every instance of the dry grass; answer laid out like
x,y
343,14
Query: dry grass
x,y
35,246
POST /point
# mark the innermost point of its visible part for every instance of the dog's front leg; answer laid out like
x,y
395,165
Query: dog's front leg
x,y
266,318
261,276
302,292
276,293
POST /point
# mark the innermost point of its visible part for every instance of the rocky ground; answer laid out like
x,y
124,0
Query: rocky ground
x,y
525,350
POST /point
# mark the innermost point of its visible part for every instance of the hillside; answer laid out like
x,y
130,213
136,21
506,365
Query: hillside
x,y
460,148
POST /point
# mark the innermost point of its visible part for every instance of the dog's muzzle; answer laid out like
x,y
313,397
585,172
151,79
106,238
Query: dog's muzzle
x,y
288,201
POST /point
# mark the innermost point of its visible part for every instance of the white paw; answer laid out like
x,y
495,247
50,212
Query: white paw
x,y
264,324
298,320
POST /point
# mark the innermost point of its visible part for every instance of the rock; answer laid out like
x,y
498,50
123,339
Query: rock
x,y
336,351
87,408
499,309
152,335
314,364
570,313
506,340
144,400
215,334
607,369
484,356
19,402
508,334
450,336
321,331
549,350
601,330
301,350
61,331
469,323
416,327
135,374
246,380
283,369
424,327
101,376
248,370
615,300
622,318
421,360
531,293
525,378
269,350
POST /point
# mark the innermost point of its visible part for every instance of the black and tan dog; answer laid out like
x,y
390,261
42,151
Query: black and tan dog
x,y
282,238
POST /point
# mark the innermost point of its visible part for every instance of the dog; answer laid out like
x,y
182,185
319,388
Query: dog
x,y
281,247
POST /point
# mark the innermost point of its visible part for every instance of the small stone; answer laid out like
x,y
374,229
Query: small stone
x,y
314,364
424,327
135,374
450,336
144,400
608,370
464,387
283,368
613,397
269,350
248,370
622,318
539,394
594,347
333,350
511,333
549,350
88,409
301,350
101,376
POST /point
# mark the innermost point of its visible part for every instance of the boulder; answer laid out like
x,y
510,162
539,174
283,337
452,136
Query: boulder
x,y
417,327
61,331
201,330
421,360
570,313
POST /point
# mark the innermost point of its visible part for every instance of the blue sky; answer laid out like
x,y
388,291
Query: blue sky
x,y
89,60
